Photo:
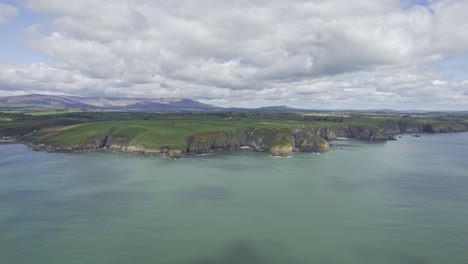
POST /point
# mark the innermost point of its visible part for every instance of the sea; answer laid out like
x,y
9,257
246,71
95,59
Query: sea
x,y
395,202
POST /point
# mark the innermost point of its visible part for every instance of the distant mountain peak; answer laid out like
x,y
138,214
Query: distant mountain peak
x,y
278,108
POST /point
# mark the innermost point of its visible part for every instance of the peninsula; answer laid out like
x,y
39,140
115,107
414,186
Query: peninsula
x,y
280,132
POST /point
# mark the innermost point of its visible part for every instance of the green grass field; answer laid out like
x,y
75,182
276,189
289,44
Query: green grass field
x,y
172,131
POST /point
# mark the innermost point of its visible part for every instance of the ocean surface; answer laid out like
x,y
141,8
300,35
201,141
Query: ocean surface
x,y
403,201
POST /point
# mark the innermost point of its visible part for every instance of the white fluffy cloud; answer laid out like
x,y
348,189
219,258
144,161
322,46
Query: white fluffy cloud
x,y
315,54
6,11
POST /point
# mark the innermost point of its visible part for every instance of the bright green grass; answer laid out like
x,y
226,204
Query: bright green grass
x,y
78,134
172,131
149,134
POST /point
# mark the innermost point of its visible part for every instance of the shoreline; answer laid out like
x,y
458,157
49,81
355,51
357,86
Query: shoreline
x,y
181,154
178,136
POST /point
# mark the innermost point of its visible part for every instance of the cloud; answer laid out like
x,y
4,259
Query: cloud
x,y
6,11
305,53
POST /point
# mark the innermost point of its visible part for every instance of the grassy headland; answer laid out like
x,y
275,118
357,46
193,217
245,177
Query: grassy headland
x,y
157,133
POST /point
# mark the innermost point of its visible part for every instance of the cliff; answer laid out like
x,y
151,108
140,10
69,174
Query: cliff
x,y
280,142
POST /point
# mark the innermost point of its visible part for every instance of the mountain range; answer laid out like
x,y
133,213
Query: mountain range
x,y
108,103
141,104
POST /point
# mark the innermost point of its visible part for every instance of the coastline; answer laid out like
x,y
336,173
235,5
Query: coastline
x,y
182,154
177,136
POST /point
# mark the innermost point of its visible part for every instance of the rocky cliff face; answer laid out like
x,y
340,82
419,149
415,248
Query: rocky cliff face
x,y
281,142
392,127
362,132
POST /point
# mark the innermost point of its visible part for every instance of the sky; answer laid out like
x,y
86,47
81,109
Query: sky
x,y
316,54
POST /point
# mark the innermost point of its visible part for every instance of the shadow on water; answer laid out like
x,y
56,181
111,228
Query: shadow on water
x,y
108,171
439,186
235,167
340,184
51,213
411,259
52,207
244,252
206,193
228,165
379,255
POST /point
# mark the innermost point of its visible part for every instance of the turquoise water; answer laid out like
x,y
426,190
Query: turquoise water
x,y
402,201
